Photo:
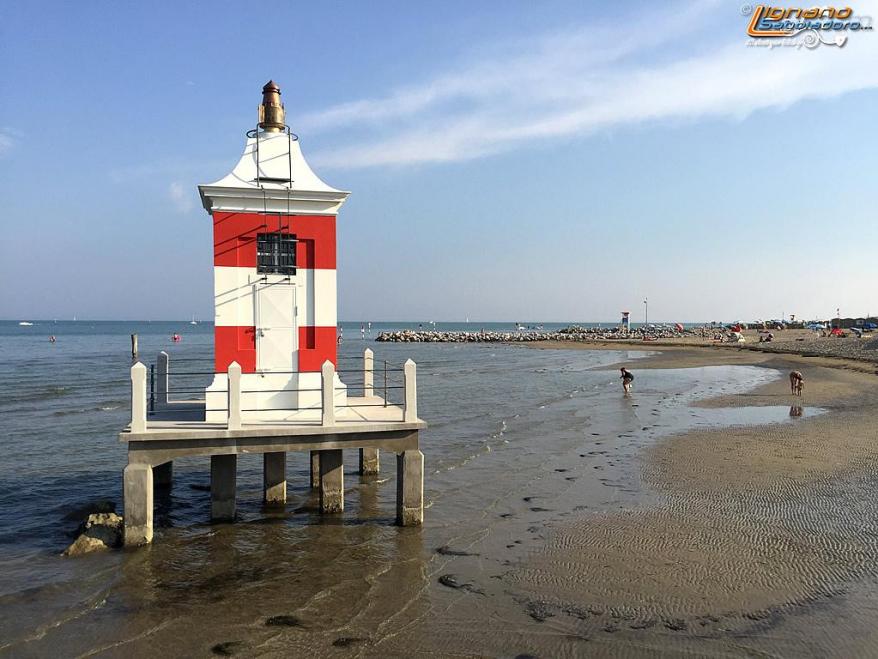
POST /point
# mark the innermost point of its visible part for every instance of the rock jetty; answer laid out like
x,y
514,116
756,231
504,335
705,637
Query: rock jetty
x,y
573,333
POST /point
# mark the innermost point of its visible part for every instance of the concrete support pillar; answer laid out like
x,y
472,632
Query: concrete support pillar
x,y
274,477
223,480
163,475
369,461
331,482
410,488
315,469
138,504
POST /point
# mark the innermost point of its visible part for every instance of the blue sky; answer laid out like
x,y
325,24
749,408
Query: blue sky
x,y
507,161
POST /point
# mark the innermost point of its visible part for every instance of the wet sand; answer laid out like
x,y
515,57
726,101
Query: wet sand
x,y
733,541
761,539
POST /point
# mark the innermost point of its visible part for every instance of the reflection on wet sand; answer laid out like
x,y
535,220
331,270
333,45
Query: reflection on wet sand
x,y
262,586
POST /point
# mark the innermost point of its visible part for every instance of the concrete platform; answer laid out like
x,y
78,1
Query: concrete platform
x,y
178,429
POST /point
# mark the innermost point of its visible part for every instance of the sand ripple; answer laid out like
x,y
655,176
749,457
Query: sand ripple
x,y
754,524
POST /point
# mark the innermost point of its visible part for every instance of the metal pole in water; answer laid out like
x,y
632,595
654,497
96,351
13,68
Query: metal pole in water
x,y
134,346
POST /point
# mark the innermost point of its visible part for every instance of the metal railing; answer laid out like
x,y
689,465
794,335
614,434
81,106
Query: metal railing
x,y
157,397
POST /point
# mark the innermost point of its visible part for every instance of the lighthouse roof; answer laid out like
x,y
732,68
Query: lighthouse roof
x,y
272,176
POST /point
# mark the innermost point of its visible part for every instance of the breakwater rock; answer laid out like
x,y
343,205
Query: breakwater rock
x,y
99,531
525,336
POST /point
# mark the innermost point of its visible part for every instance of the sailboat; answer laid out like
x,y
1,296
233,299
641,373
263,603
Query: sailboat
x,y
24,323
193,321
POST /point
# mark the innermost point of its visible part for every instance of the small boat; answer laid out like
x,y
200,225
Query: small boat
x,y
193,321
24,323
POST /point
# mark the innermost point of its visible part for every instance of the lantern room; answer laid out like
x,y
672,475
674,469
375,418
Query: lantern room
x,y
274,224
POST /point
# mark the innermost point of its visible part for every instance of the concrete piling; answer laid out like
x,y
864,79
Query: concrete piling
x,y
274,478
315,469
223,481
410,488
369,461
138,504
331,482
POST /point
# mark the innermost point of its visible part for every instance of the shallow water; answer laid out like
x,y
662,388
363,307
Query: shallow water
x,y
510,428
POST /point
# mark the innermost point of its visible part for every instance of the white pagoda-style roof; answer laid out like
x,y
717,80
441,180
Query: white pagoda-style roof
x,y
283,182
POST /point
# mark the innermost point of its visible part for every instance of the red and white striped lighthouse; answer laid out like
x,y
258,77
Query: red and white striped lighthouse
x,y
274,274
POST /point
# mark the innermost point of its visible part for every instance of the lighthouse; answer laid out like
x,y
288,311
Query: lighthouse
x,y
275,302
275,387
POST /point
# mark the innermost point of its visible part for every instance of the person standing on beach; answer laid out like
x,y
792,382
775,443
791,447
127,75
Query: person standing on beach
x,y
627,379
797,383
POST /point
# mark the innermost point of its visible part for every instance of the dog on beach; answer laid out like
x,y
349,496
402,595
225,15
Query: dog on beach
x,y
797,383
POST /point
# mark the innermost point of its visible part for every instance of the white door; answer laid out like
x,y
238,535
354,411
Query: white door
x,y
276,332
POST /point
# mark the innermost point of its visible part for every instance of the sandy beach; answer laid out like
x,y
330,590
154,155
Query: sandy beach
x,y
740,540
757,529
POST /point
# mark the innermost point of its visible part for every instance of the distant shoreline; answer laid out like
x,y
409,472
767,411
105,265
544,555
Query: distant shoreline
x,y
846,353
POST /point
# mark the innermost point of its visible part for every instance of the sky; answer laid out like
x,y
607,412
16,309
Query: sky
x,y
507,161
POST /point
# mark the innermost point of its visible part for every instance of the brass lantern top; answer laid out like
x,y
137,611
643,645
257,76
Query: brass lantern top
x,y
271,112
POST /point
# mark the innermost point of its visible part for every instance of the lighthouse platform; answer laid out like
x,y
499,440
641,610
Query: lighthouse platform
x,y
163,430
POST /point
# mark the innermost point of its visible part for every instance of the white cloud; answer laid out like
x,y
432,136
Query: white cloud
x,y
182,196
8,139
573,84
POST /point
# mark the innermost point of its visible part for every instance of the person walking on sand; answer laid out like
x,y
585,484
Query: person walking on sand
x,y
627,378
797,383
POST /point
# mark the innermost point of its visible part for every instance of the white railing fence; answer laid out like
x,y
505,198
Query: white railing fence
x,y
159,391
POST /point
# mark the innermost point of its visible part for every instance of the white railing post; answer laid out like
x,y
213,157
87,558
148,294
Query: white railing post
x,y
327,372
368,375
411,391
234,378
138,398
162,366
